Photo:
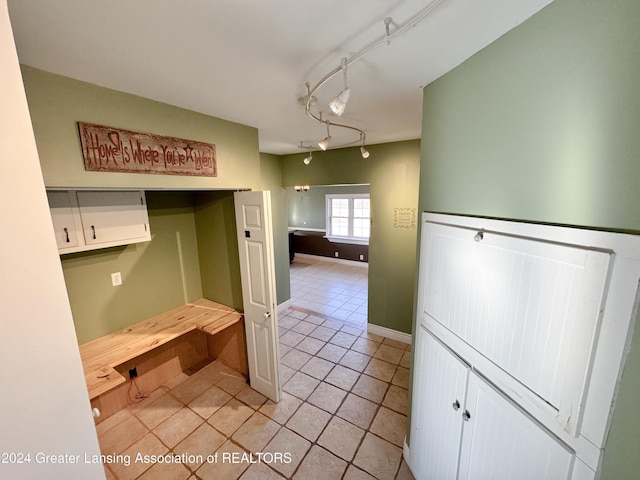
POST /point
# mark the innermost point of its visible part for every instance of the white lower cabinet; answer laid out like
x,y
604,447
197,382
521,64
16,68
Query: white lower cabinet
x,y
462,427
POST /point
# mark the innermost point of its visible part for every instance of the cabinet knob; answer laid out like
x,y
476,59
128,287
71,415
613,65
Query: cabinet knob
x,y
478,237
456,405
466,416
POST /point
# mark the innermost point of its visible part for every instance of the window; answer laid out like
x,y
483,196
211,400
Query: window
x,y
348,218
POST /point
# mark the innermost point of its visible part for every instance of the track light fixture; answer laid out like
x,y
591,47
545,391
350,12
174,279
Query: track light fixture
x,y
324,143
363,151
308,159
338,104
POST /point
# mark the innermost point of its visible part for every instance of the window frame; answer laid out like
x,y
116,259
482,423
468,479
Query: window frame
x,y
345,238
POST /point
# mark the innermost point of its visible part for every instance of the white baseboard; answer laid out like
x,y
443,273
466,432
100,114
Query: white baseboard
x,y
389,333
285,304
318,258
406,453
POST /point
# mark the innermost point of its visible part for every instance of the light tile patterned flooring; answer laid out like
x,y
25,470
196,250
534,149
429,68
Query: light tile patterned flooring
x,y
328,288
342,413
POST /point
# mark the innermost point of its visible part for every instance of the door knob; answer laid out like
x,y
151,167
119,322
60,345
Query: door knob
x,y
466,416
456,405
267,315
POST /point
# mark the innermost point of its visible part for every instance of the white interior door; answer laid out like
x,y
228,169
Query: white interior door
x,y
255,245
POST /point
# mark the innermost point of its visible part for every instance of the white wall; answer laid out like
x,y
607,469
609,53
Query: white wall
x,y
44,405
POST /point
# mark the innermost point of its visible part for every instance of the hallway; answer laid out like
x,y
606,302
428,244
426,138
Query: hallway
x,y
342,414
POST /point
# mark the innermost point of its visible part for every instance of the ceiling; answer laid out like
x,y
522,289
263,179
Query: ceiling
x,y
248,61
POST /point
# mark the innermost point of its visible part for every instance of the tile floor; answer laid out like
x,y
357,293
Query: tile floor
x,y
333,289
342,413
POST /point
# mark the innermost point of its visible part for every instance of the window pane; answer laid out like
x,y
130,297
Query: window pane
x,y
340,226
361,208
340,207
361,227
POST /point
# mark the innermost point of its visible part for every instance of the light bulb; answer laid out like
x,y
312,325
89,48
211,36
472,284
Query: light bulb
x,y
324,144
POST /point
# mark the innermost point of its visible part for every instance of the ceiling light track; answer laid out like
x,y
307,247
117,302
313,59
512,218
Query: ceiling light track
x,y
338,104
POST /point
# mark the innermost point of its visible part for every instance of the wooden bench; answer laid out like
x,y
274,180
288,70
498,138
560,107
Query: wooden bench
x,y
101,357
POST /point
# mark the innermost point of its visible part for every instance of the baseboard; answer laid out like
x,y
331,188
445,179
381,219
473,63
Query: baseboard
x,y
318,258
285,304
389,333
406,453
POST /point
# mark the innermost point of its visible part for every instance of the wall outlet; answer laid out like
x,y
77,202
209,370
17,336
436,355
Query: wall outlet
x,y
361,257
116,279
336,254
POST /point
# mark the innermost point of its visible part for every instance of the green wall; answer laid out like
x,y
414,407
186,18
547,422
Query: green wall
x,y
271,171
392,171
308,209
56,103
542,125
215,221
194,234
156,276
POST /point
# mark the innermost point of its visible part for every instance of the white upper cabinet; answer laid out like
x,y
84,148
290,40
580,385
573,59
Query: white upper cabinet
x,y
63,206
88,220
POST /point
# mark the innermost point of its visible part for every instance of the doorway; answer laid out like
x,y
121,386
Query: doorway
x,y
328,272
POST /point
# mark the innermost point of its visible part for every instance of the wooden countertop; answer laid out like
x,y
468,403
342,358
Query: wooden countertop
x,y
102,355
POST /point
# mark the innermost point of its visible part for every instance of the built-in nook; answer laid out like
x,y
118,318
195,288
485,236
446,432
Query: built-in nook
x,y
179,305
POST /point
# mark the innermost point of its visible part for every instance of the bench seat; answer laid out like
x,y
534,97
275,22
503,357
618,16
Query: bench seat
x,y
101,356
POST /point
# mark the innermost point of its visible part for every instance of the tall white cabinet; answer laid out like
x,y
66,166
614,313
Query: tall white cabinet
x,y
519,344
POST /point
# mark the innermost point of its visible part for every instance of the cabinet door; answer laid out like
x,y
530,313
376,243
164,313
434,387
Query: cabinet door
x,y
501,442
529,305
64,216
439,381
113,217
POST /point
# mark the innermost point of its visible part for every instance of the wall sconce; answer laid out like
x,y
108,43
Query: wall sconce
x,y
302,188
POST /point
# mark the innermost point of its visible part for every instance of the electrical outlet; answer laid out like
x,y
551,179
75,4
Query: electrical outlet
x,y
133,373
116,279
336,254
361,257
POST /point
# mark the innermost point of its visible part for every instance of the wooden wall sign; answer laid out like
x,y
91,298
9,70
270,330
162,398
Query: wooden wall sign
x,y
107,149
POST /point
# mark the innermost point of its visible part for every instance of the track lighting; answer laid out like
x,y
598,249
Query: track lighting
x,y
324,143
363,151
308,159
339,103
